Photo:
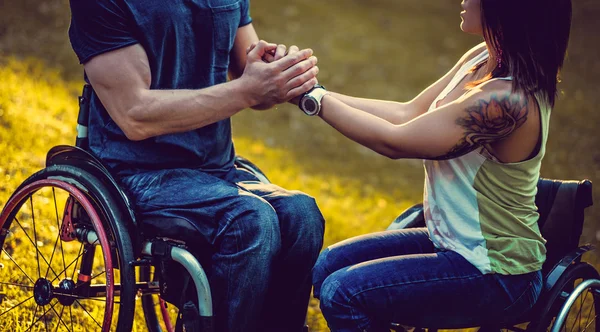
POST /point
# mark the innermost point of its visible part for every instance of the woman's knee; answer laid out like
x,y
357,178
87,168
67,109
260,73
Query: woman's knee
x,y
321,271
335,295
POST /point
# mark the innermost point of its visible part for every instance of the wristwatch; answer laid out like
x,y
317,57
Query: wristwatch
x,y
310,103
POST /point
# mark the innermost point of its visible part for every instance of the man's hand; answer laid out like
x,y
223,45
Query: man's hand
x,y
276,76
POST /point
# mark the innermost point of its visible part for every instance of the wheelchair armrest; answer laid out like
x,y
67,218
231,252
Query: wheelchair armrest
x,y
557,271
412,217
249,166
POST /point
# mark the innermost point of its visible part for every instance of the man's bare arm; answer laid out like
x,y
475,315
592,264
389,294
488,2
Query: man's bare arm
x,y
122,80
244,37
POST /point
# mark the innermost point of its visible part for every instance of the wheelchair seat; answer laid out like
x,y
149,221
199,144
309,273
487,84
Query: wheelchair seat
x,y
177,229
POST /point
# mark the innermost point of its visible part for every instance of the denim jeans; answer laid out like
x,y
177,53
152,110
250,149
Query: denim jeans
x,y
264,241
367,282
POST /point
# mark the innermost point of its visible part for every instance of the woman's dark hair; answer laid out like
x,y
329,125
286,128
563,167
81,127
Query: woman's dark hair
x,y
533,36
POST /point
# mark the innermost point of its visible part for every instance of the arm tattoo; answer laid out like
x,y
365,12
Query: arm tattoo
x,y
488,122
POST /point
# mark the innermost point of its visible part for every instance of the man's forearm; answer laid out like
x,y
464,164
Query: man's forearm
x,y
160,112
393,112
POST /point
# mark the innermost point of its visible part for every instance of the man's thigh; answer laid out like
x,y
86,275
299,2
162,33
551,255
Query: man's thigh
x,y
297,212
209,203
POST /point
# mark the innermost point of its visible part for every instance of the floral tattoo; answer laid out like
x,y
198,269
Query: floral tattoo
x,y
488,122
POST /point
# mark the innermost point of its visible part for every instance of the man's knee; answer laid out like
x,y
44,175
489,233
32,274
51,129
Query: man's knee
x,y
307,221
256,224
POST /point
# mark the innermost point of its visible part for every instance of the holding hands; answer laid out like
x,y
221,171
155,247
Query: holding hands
x,y
275,74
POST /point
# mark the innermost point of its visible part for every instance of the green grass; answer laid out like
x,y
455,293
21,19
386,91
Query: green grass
x,y
378,49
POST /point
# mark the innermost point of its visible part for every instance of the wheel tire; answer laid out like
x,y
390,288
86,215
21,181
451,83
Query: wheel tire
x,y
98,194
555,299
577,305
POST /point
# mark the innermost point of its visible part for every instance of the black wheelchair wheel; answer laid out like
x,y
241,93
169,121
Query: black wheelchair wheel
x,y
65,256
580,311
159,316
555,299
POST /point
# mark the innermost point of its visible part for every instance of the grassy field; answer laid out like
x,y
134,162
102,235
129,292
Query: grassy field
x,y
378,49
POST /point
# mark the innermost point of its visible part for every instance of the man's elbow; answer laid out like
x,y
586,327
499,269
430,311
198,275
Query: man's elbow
x,y
132,126
134,134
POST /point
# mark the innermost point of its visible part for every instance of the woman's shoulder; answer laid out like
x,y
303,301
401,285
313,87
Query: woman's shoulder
x,y
473,52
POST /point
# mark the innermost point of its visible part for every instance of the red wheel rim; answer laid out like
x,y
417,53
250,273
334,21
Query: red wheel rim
x,y
96,222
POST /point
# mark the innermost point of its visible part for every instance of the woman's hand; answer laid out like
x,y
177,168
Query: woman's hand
x,y
286,77
279,53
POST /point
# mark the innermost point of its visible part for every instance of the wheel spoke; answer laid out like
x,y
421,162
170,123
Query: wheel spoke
x,y
77,259
60,317
52,256
43,315
73,262
59,230
27,299
97,275
46,318
35,312
85,298
35,237
71,314
37,251
14,284
587,318
10,257
87,312
590,323
578,317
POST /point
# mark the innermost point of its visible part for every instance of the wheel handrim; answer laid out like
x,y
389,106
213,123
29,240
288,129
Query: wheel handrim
x,y
583,310
52,284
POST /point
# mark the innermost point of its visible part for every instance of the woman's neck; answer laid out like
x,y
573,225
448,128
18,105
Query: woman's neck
x,y
492,61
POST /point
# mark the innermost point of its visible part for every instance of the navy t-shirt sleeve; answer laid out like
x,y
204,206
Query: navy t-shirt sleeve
x,y
99,26
246,19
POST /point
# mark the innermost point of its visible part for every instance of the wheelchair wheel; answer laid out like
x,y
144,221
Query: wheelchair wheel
x,y
581,309
558,295
160,316
65,256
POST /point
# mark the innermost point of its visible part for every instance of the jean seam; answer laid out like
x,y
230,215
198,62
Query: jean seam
x,y
416,282
404,283
519,298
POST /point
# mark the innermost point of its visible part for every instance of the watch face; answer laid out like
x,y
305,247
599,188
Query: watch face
x,y
310,106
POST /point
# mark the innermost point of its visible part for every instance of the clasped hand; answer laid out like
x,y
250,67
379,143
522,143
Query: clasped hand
x,y
276,74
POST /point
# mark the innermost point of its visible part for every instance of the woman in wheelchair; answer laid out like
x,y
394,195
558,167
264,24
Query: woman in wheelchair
x,y
482,130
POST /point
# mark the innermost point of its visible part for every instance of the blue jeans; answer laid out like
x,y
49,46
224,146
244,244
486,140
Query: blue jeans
x,y
264,241
367,282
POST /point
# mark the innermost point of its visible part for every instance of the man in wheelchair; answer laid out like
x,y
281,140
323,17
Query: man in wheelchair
x,y
159,120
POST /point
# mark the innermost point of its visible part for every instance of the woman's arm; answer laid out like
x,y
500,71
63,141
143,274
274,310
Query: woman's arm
x,y
399,113
483,116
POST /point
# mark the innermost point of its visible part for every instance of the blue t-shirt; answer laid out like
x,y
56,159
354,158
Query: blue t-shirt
x,y
188,43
